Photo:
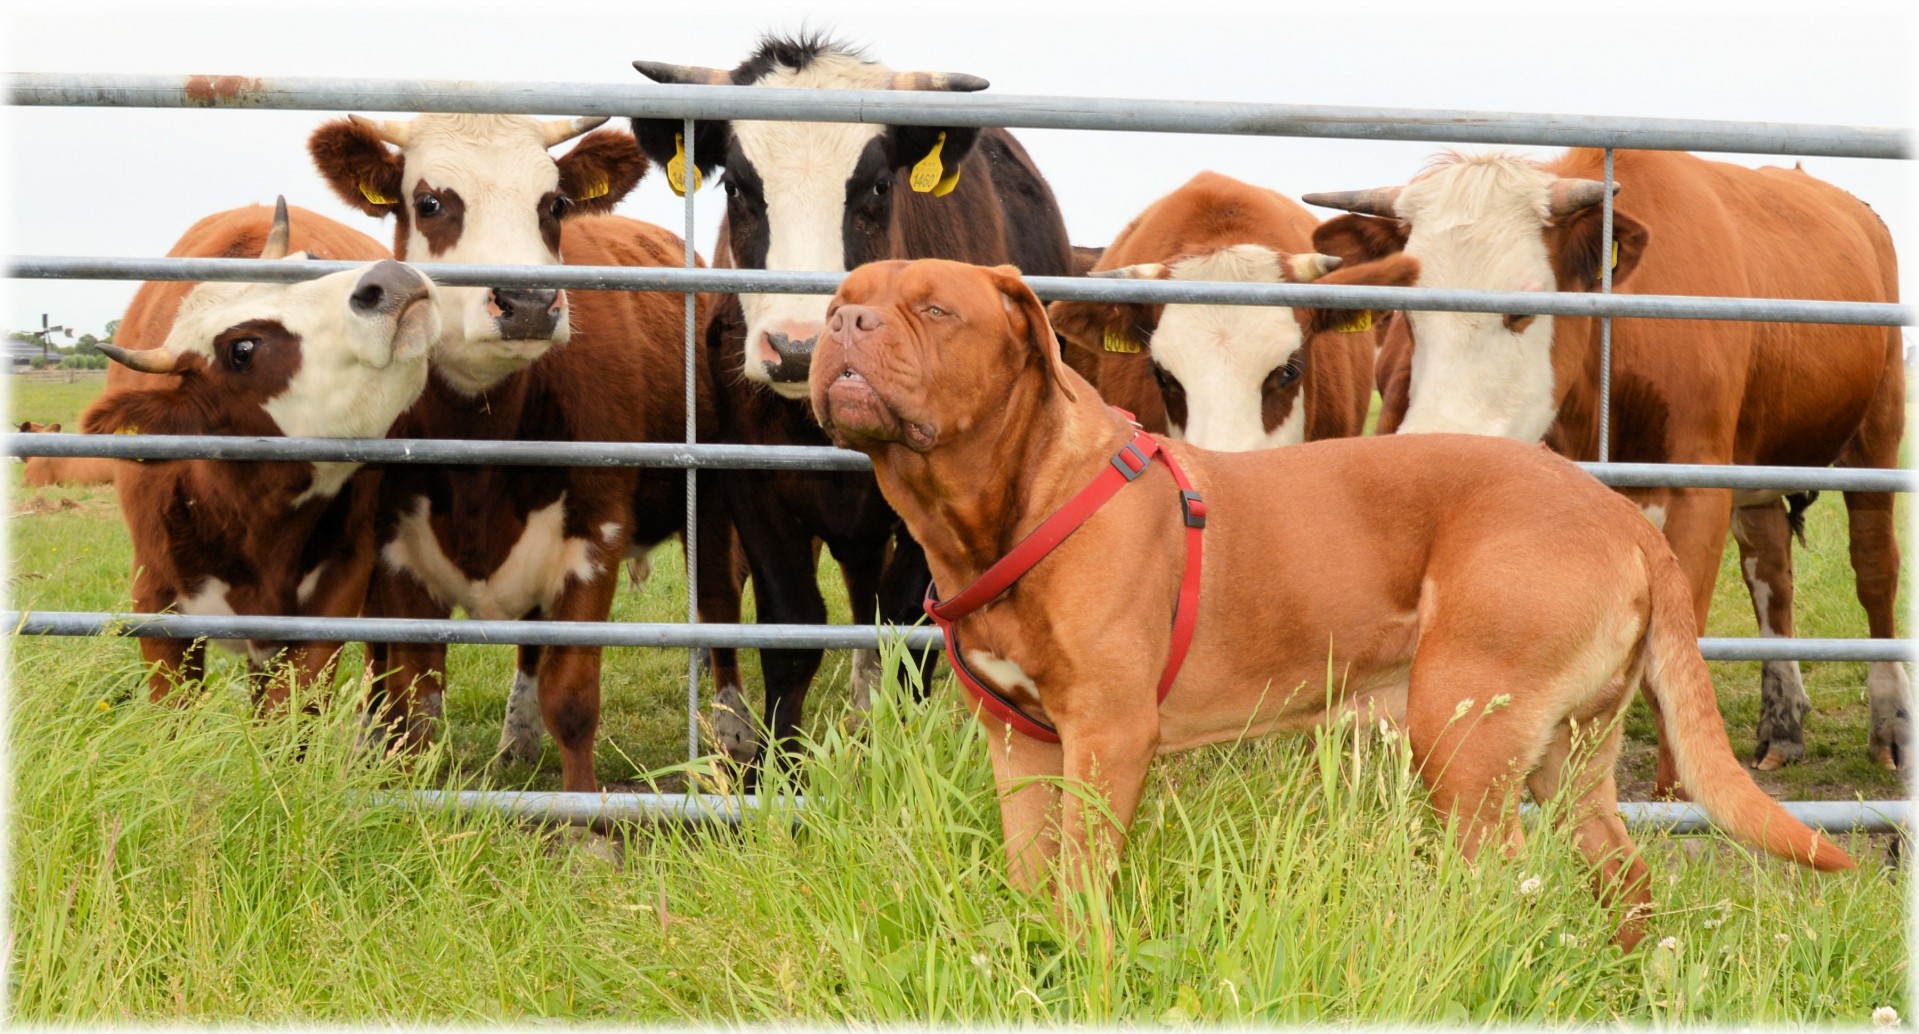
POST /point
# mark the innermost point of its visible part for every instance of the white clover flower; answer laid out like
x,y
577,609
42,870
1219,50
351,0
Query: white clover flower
x,y
1570,940
1530,886
979,959
1885,1016
1782,938
1669,943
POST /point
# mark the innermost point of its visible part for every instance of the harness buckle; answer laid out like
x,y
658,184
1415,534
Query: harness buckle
x,y
1133,468
1194,508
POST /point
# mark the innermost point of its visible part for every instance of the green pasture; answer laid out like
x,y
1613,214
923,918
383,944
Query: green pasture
x,y
203,864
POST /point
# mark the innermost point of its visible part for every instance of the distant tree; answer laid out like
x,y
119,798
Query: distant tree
x,y
87,345
113,329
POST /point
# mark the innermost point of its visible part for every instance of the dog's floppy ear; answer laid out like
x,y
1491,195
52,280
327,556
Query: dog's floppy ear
x,y
1028,317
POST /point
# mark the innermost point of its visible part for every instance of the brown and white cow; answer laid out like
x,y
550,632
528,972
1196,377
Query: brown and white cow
x,y
1230,377
337,357
46,471
1684,391
827,196
585,366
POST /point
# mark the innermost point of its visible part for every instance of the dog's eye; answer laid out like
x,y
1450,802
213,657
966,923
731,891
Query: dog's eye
x,y
240,353
934,310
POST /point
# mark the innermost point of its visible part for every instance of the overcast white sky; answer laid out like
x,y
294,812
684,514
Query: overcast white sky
x,y
83,181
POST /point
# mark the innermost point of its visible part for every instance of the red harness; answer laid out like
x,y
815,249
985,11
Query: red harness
x,y
1126,466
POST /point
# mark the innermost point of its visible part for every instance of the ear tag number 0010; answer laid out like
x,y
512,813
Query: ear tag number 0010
x,y
1117,342
1363,321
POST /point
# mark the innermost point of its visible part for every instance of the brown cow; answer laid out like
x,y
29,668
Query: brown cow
x,y
45,471
539,365
1230,377
336,357
1438,570
1684,391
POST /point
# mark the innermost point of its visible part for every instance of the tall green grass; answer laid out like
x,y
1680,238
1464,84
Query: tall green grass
x,y
200,863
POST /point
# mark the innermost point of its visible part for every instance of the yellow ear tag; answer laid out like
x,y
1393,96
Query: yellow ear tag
x,y
947,183
598,188
375,197
676,168
128,429
1116,342
1363,321
1615,254
929,173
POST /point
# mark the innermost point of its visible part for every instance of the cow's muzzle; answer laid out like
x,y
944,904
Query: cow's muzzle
x,y
795,357
526,315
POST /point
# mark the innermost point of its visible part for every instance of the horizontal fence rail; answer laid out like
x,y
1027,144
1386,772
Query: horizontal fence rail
x,y
897,107
1049,288
602,809
677,635
480,452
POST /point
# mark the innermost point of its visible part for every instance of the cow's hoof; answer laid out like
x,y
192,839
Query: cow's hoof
x,y
1778,754
519,746
733,727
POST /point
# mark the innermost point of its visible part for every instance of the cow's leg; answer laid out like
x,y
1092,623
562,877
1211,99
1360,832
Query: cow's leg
x,y
903,598
722,578
410,679
1025,774
786,589
171,665
860,564
1764,535
1583,772
1875,569
568,680
520,729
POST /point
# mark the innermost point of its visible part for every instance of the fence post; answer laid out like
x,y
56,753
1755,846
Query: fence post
x,y
1605,322
692,539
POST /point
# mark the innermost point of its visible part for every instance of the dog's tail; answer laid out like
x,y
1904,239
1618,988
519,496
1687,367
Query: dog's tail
x,y
1677,677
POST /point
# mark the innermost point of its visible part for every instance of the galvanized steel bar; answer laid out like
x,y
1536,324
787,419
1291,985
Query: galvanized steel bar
x,y
688,636
1606,246
692,538
600,809
902,107
423,630
789,457
1049,288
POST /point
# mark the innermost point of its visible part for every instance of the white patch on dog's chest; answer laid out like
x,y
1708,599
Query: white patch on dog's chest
x,y
532,576
1005,675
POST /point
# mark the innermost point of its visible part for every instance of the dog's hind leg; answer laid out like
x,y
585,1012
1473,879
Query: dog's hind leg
x,y
1580,766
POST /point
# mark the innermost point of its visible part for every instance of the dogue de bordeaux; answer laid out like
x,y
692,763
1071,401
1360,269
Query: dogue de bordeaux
x,y
1496,600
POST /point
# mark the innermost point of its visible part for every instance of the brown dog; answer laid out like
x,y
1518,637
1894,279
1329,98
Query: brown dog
x,y
1497,600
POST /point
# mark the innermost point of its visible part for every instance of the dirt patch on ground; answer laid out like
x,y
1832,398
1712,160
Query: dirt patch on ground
x,y
41,506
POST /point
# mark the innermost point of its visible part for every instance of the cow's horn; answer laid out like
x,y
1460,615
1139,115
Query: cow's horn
x,y
281,235
145,360
1141,271
1569,196
563,129
1377,201
685,75
395,133
1310,266
952,82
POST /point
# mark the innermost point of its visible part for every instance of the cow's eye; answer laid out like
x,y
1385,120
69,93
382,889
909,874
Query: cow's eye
x,y
1283,375
427,205
558,207
240,353
881,186
1167,382
732,189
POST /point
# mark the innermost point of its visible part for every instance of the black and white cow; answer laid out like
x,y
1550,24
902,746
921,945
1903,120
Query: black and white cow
x,y
831,196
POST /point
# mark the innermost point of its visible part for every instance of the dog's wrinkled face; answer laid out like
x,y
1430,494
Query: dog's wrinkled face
x,y
916,352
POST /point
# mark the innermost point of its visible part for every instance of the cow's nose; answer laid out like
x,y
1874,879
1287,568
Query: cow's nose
x,y
525,314
386,287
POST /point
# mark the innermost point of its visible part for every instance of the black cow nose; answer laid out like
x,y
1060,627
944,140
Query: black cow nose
x,y
526,314
385,288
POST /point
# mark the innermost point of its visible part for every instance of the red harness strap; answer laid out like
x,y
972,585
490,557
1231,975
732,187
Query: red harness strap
x,y
1127,465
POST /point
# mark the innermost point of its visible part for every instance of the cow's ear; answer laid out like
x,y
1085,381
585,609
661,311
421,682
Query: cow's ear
x,y
1392,271
600,170
358,165
931,155
1576,241
162,410
1028,320
662,138
1102,328
1358,239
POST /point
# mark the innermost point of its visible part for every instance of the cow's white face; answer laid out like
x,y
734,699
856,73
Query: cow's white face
x,y
1223,369
483,189
338,357
793,181
1479,223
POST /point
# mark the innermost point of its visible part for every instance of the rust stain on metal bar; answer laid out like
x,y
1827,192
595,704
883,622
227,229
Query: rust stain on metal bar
x,y
220,90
